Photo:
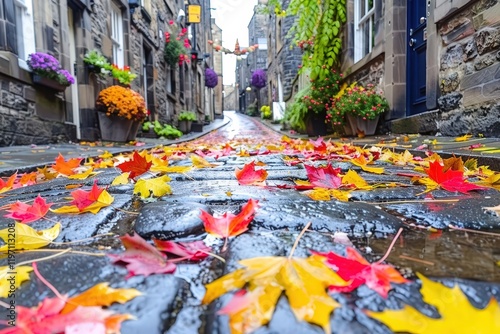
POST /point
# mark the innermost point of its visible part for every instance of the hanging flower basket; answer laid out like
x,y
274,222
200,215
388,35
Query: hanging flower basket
x,y
49,83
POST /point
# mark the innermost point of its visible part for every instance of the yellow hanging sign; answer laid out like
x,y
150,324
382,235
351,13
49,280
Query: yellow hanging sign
x,y
194,14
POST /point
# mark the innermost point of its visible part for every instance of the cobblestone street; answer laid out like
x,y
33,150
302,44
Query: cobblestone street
x,y
435,233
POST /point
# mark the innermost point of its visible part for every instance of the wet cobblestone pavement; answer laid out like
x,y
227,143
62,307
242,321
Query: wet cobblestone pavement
x,y
447,236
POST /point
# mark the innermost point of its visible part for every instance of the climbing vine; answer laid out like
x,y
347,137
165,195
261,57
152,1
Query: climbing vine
x,y
317,31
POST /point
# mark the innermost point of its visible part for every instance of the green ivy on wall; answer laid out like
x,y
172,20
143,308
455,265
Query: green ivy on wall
x,y
317,27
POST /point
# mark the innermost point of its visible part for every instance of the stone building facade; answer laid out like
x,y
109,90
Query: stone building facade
x,y
283,59
219,91
127,32
436,61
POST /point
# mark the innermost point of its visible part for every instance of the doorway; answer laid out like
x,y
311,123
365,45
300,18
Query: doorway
x,y
416,53
73,115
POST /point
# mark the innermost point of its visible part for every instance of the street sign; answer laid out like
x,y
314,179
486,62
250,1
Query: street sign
x,y
194,14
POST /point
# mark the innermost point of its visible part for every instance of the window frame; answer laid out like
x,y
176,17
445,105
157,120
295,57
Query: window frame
x,y
361,49
116,21
25,42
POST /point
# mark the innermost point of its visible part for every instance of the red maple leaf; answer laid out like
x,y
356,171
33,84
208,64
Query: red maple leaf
x,y
66,167
26,213
83,199
229,225
319,145
249,176
356,269
324,177
451,180
142,258
137,166
194,251
46,318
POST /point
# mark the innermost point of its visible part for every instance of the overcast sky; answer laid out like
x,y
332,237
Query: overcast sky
x,y
232,16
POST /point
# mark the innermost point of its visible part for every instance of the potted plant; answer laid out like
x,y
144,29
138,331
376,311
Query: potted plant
x,y
362,108
185,119
96,62
47,71
308,113
265,112
118,109
175,50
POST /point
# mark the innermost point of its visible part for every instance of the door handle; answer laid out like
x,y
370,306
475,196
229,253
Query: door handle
x,y
412,41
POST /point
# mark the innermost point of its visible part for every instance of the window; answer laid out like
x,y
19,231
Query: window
x,y
25,36
262,42
117,35
170,80
364,14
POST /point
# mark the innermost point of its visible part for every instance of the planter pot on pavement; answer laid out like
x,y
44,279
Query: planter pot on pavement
x,y
315,124
185,126
114,128
363,127
197,127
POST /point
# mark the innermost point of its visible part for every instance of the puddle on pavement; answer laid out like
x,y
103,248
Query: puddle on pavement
x,y
444,254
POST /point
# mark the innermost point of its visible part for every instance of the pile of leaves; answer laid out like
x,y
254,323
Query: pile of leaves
x,y
309,283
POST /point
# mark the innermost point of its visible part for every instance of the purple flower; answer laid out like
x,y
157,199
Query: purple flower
x,y
211,78
259,79
48,66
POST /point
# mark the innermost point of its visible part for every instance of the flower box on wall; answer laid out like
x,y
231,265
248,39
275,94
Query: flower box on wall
x,y
49,83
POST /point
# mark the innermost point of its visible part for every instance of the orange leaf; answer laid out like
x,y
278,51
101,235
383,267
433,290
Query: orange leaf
x,y
249,176
7,185
100,295
66,167
230,225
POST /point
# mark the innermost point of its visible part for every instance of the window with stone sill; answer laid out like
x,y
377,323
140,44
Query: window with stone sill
x,y
117,35
25,36
364,24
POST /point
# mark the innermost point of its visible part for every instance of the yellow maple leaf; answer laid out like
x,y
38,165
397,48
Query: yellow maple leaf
x,y
104,200
200,162
162,166
29,238
455,312
463,138
20,274
106,155
82,176
157,186
121,179
351,177
47,173
322,194
100,295
304,281
360,161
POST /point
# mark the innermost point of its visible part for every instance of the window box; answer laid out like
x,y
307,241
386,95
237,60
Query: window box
x,y
49,83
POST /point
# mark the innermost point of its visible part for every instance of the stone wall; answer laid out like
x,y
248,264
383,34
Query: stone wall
x,y
469,70
230,98
19,122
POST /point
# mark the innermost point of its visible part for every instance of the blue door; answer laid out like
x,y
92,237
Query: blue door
x,y
416,56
